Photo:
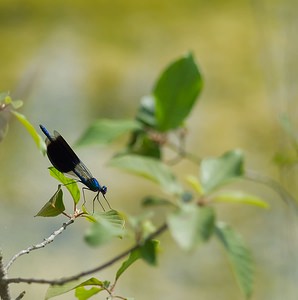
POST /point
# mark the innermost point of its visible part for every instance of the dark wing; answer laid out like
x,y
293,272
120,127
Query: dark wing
x,y
61,155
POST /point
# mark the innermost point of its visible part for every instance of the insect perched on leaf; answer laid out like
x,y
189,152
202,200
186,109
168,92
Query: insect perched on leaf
x,y
64,159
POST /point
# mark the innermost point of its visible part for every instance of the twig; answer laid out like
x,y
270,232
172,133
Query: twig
x,y
182,153
61,281
279,189
40,245
4,291
21,296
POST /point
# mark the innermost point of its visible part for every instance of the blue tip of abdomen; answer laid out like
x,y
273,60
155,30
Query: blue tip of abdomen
x,y
45,131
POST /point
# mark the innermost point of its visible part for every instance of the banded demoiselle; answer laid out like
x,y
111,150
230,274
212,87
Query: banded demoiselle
x,y
64,159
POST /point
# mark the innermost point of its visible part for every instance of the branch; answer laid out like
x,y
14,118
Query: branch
x,y
4,291
61,281
40,245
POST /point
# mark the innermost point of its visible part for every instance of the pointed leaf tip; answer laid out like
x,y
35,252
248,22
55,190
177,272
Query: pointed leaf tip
x,y
176,92
54,206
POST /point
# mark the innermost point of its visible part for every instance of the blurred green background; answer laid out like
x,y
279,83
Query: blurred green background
x,y
74,61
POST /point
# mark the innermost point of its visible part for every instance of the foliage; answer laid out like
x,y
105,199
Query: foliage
x,y
8,107
191,217
239,256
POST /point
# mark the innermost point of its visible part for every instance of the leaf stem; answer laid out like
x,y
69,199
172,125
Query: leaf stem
x,y
182,153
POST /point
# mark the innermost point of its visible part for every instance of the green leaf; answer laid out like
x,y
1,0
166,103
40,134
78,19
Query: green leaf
x,y
107,226
69,183
239,257
147,252
176,92
114,217
54,206
191,225
149,168
215,172
240,197
56,290
29,127
142,144
92,281
133,256
105,131
156,201
84,294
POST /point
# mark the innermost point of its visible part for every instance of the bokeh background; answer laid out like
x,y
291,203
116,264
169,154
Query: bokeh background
x,y
74,61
